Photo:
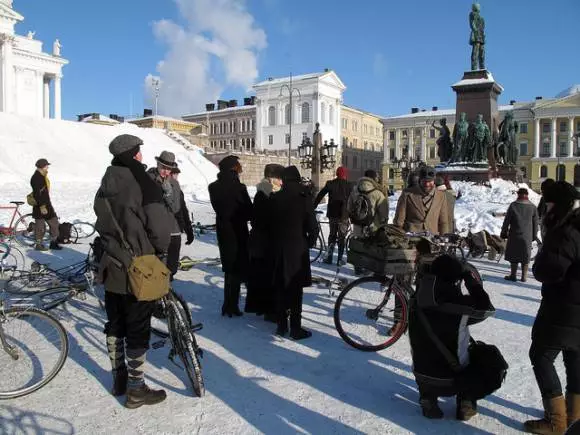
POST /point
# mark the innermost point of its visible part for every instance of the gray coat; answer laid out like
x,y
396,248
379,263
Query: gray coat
x,y
145,228
171,195
520,228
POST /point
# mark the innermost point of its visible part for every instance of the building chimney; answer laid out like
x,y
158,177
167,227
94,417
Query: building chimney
x,y
512,102
414,110
233,103
247,101
114,117
326,70
210,107
435,108
253,100
222,104
80,117
538,98
147,113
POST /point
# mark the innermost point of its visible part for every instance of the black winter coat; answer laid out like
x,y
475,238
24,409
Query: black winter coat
x,y
233,209
557,267
41,194
338,191
293,230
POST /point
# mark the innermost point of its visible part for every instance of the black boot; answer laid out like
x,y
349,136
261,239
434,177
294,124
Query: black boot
x,y
55,246
430,407
235,301
330,253
282,328
119,381
339,261
143,395
296,330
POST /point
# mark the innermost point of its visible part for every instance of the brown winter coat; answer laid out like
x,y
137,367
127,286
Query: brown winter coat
x,y
410,214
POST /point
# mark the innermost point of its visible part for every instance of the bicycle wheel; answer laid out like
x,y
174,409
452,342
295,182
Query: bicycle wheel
x,y
53,297
371,313
84,230
33,350
26,282
159,319
24,231
316,250
185,345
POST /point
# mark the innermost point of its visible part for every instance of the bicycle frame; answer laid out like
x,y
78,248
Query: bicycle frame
x,y
15,216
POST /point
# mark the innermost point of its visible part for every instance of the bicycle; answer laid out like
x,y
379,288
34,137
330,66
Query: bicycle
x,y
186,263
81,230
199,229
321,247
181,334
22,226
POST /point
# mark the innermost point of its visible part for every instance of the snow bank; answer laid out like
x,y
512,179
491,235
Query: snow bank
x,y
78,153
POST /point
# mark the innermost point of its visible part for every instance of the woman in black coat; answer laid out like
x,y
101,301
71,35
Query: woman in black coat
x,y
260,298
557,325
293,231
233,209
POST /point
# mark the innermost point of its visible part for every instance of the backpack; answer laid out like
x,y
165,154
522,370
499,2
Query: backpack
x,y
362,212
64,233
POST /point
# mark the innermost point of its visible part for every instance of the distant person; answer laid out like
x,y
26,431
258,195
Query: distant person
x,y
520,228
412,180
557,326
542,204
233,210
261,295
443,184
172,196
182,216
338,191
130,197
422,207
43,212
294,232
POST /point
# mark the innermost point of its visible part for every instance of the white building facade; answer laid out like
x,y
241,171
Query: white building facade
x,y
315,98
26,72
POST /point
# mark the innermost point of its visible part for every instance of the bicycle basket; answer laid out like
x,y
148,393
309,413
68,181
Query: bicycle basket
x,y
380,259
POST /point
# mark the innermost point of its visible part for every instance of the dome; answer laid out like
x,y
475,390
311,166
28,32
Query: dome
x,y
575,89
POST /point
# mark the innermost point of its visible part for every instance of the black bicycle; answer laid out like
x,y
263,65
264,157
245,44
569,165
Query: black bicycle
x,y
320,249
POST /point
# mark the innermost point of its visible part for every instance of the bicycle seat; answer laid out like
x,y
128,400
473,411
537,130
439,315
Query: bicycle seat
x,y
17,202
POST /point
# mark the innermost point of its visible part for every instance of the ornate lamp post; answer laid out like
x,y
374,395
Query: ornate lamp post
x,y
317,158
155,84
405,165
291,91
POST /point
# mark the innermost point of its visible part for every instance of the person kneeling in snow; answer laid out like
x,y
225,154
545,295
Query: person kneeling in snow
x,y
444,361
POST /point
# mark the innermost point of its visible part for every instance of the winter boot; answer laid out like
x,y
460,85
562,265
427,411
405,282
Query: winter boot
x,y
40,247
120,377
466,409
524,272
430,407
54,246
554,421
296,330
339,261
573,407
282,328
328,259
143,395
358,271
514,270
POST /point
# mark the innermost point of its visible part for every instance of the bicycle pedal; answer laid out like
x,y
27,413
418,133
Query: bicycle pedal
x,y
199,352
158,344
196,327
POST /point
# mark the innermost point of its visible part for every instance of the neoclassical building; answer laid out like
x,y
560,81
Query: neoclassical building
x,y
546,141
26,72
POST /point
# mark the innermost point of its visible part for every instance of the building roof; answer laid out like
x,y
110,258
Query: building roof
x,y
440,112
159,117
361,111
227,109
298,78
98,117
572,90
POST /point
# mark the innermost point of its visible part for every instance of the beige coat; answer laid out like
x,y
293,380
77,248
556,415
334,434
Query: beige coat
x,y
410,214
379,202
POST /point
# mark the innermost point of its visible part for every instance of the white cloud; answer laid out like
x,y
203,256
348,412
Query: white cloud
x,y
219,36
380,65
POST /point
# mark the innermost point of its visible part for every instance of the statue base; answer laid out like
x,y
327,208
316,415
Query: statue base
x,y
479,172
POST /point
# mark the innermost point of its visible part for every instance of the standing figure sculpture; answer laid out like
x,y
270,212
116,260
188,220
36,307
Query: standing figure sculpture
x,y
479,140
507,149
460,136
477,38
444,145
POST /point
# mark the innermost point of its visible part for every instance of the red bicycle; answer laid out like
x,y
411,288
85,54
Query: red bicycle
x,y
21,227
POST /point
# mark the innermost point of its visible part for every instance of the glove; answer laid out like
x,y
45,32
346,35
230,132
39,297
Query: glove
x,y
190,238
43,210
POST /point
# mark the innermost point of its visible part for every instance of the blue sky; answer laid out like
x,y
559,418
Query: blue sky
x,y
392,55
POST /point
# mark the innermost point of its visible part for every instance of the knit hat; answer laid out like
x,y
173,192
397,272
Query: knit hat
x,y
426,173
273,170
342,173
228,163
371,173
41,163
291,173
123,143
562,194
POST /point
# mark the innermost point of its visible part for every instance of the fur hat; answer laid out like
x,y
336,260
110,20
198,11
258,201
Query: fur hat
x,y
562,194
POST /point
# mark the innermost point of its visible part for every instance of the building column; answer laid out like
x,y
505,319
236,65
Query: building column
x,y
39,94
411,142
7,85
386,157
398,150
46,99
424,145
554,137
57,99
571,150
537,135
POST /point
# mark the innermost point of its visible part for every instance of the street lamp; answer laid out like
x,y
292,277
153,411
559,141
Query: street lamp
x,y
291,91
155,84
405,165
326,154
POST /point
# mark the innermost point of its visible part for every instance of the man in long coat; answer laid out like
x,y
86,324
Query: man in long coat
x,y
520,228
233,209
43,212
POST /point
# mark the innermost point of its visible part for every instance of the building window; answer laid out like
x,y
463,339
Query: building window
x,y
563,149
524,128
404,133
431,153
578,126
331,114
546,127
345,160
253,142
270,139
287,139
577,175
561,173
391,134
304,136
378,129
355,143
543,171
287,114
322,112
523,149
391,173
391,155
545,149
354,162
305,112
563,127
417,132
365,128
344,123
271,116
432,133
344,141
366,145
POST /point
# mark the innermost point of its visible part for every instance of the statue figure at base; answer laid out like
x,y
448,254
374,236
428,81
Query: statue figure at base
x,y
444,145
479,140
56,48
460,136
507,150
477,38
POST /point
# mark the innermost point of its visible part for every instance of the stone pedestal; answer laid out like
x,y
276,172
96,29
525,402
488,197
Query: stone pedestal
x,y
479,173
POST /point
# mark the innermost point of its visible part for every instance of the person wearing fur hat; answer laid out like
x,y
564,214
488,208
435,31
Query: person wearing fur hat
x,y
293,234
557,325
261,298
43,212
130,200
233,210
520,228
338,191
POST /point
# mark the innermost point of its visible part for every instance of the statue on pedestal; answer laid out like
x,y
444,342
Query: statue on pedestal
x,y
56,48
479,140
477,38
31,34
444,145
506,148
460,136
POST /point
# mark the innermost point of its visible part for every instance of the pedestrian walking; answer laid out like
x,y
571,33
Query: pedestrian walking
x,y
233,210
43,211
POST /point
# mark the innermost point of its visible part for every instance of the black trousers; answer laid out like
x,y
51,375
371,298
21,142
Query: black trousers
x,y
290,300
173,253
232,283
338,230
543,357
128,318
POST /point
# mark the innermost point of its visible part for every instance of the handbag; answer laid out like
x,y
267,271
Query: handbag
x,y
148,276
30,200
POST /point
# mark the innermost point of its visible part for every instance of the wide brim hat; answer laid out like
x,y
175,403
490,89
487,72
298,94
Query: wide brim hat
x,y
561,193
167,159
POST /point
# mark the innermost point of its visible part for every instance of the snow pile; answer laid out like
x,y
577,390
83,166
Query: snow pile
x,y
78,153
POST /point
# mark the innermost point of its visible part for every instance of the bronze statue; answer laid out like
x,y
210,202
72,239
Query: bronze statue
x,y
444,145
507,149
479,140
460,136
477,38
